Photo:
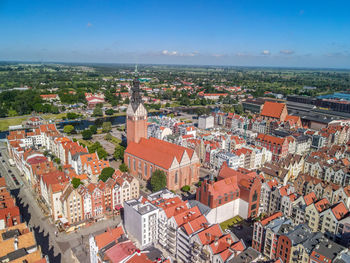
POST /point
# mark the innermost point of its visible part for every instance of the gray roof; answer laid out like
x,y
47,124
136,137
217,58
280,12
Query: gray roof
x,y
202,208
328,249
247,255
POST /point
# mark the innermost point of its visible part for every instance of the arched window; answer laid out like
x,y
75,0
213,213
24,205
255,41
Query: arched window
x,y
176,177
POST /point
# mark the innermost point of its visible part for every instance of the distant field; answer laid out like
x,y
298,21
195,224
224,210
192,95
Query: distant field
x,y
5,123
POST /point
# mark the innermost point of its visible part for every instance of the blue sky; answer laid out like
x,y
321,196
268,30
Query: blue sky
x,y
241,33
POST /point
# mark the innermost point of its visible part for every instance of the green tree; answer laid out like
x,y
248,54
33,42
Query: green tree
x,y
119,152
106,126
72,115
109,112
97,112
87,134
158,180
57,160
12,113
102,154
93,129
106,173
185,188
76,182
108,137
68,129
123,168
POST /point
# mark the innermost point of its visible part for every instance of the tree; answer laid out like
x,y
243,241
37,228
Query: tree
x,y
119,153
109,112
106,126
108,137
123,168
93,129
72,116
68,129
158,180
185,188
87,134
57,160
102,154
106,173
76,182
97,111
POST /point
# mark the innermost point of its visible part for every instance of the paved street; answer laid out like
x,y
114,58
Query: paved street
x,y
56,248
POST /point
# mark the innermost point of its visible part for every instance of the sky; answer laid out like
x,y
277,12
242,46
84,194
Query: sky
x,y
283,33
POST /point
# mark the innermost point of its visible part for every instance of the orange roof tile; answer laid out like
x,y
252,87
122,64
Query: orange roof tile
x,y
158,152
109,236
272,109
267,220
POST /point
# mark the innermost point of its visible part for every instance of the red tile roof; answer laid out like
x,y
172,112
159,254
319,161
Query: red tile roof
x,y
272,109
322,205
267,220
310,198
208,235
339,210
108,237
158,152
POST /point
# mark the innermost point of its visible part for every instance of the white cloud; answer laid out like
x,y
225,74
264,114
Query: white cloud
x,y
266,52
178,54
287,52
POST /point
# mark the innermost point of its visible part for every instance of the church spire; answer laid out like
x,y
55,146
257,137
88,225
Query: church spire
x,y
136,98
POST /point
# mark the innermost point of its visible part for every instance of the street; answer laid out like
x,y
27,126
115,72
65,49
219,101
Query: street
x,y
56,248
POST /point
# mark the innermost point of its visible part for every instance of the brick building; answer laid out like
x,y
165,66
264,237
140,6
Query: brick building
x,y
136,116
235,193
278,146
180,164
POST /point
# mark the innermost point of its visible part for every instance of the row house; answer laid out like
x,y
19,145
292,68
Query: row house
x,y
51,188
334,193
275,197
277,238
278,146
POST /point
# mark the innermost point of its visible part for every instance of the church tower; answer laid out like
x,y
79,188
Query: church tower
x,y
136,115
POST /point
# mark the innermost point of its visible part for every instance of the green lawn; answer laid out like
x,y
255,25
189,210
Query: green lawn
x,y
54,116
233,221
87,143
5,123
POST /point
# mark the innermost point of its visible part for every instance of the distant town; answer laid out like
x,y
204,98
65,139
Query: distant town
x,y
147,163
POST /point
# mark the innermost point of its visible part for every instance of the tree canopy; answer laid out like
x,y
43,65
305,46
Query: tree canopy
x,y
123,168
76,182
87,134
106,173
158,180
68,129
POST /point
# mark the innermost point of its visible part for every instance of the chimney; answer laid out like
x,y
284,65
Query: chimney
x,y
216,243
229,240
15,243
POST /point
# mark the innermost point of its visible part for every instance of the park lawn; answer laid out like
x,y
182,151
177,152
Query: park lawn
x,y
233,221
86,143
5,123
115,141
54,116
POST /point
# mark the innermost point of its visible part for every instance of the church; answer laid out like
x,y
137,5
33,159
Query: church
x,y
143,156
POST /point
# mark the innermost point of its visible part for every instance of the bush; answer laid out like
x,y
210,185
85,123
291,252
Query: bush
x,y
119,153
123,168
109,112
186,188
106,173
106,126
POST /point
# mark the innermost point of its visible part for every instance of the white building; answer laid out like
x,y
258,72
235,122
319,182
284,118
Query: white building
x,y
141,221
205,122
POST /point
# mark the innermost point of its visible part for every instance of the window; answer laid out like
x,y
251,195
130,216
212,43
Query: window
x,y
134,164
176,177
145,169
129,162
255,196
